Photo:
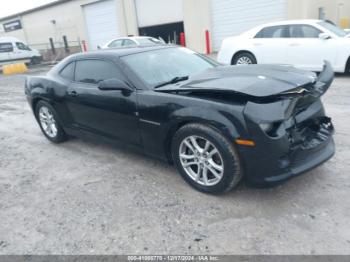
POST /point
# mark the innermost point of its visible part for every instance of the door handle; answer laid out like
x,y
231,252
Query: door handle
x,y
294,44
257,44
73,93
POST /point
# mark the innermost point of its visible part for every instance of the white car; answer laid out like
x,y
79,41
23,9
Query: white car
x,y
302,43
14,50
132,41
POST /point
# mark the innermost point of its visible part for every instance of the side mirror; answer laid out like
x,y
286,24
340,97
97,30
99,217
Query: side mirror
x,y
114,84
324,36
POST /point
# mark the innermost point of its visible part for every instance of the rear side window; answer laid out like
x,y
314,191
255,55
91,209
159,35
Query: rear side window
x,y
304,31
273,32
6,47
95,71
116,43
128,42
68,71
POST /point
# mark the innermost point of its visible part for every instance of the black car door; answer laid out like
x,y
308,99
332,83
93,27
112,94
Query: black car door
x,y
111,113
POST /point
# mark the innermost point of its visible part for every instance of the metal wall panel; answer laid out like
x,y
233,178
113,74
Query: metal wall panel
x,y
233,17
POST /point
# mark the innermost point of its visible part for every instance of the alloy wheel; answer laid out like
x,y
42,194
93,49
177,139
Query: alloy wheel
x,y
201,160
47,122
244,60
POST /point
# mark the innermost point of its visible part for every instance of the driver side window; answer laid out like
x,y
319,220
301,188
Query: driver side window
x,y
304,31
22,46
93,71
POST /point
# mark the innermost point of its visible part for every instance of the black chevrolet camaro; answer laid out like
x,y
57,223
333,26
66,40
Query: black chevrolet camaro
x,y
217,124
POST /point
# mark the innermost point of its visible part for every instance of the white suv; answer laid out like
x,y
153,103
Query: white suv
x,y
302,43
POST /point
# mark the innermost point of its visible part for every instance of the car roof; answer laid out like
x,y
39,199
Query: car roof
x,y
288,22
9,39
254,30
132,37
139,37
122,51
108,53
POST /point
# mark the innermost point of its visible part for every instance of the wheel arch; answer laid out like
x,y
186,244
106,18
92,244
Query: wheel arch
x,y
37,99
242,52
169,136
35,102
228,132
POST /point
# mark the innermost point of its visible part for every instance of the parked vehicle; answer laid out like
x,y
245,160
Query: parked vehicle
x,y
12,50
132,41
215,123
302,43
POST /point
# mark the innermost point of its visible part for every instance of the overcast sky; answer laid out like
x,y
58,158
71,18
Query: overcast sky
x,y
9,7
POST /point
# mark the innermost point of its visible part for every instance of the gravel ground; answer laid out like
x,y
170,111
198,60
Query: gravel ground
x,y
83,197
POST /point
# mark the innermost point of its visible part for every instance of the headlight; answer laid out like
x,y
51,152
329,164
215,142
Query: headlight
x,y
266,127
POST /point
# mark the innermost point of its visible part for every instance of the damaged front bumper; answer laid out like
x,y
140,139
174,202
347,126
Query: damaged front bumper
x,y
315,146
289,154
311,144
300,140
296,146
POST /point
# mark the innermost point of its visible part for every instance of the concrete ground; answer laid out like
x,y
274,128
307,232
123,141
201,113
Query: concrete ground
x,y
84,197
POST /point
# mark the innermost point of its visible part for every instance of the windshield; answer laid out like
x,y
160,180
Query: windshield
x,y
158,66
334,29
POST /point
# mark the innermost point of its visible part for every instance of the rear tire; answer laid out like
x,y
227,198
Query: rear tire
x,y
193,148
48,122
244,58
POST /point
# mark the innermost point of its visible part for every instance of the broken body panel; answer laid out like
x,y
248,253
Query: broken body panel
x,y
287,98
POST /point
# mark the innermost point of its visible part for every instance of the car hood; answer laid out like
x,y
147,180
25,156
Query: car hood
x,y
252,80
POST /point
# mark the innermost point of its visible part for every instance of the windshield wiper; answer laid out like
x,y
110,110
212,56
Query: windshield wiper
x,y
173,81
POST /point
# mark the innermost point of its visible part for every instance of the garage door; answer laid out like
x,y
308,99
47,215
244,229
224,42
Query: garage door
x,y
101,22
232,17
158,12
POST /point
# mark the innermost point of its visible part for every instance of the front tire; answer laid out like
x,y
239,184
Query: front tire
x,y
244,58
206,159
35,60
48,122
